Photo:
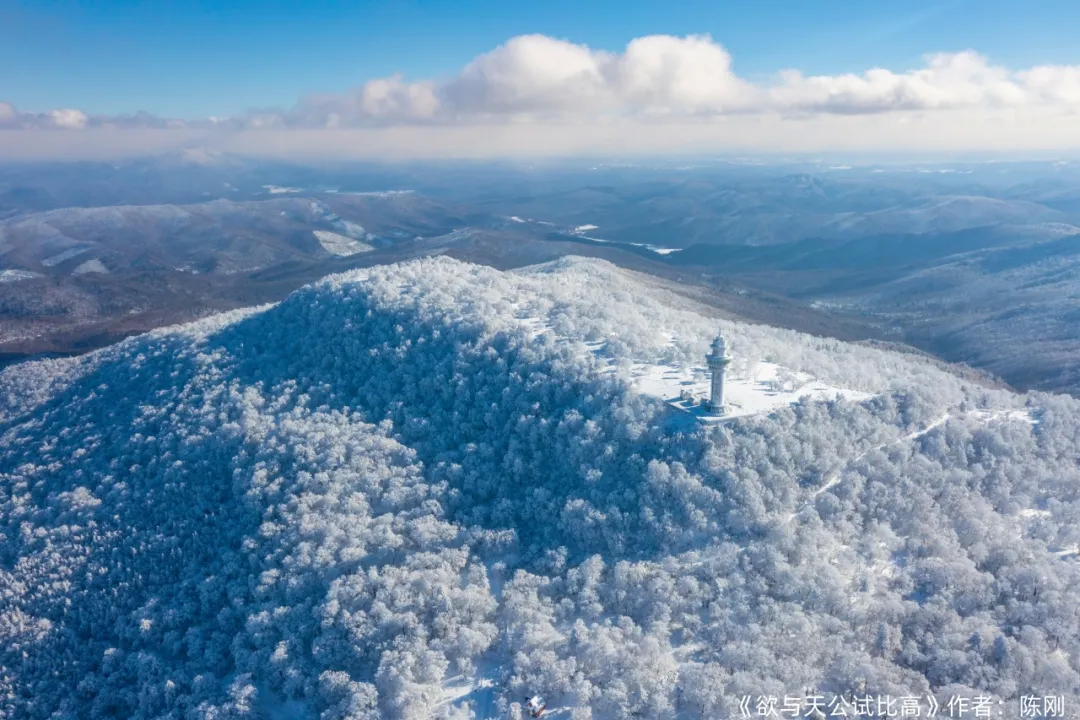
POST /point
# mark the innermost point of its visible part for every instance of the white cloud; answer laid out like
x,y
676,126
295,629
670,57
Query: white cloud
x,y
535,76
660,91
12,118
950,81
73,119
1054,84
377,101
529,74
671,75
662,76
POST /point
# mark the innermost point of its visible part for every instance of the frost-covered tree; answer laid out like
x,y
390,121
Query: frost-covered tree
x,y
421,491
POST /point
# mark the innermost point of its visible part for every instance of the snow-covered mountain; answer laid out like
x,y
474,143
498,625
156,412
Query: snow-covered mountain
x,y
433,489
74,279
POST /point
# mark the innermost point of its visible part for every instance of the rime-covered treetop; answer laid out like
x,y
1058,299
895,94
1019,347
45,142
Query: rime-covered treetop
x,y
431,490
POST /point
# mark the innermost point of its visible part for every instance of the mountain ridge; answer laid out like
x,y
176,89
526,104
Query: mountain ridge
x,y
428,489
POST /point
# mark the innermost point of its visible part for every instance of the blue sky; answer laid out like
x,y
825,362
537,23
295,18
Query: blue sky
x,y
201,58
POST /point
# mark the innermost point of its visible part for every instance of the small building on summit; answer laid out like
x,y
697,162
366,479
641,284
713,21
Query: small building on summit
x,y
536,706
717,361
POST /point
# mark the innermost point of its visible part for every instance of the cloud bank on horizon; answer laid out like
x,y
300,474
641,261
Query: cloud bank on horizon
x,y
668,92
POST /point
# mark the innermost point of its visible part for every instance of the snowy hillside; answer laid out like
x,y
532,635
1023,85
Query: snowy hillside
x,y
342,245
434,489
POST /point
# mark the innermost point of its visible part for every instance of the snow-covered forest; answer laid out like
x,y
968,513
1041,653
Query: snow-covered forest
x,y
433,489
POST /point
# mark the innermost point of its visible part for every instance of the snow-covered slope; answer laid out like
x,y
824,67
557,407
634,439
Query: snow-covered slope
x,y
90,266
7,276
435,489
342,245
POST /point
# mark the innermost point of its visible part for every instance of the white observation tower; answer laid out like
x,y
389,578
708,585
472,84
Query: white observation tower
x,y
717,361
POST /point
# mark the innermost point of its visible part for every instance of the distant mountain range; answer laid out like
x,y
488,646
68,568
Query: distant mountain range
x,y
1005,298
971,261
77,277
